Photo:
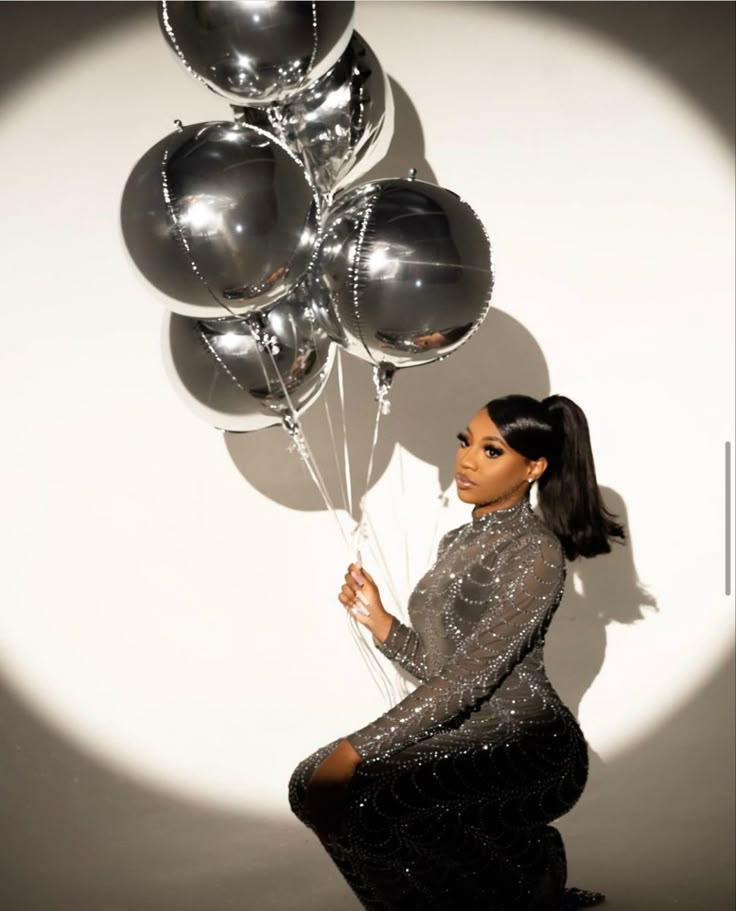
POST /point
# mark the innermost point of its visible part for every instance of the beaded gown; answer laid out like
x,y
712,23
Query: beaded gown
x,y
450,807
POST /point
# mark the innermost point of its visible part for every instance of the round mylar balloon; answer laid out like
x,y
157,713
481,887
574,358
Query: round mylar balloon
x,y
219,371
341,125
221,218
257,52
407,272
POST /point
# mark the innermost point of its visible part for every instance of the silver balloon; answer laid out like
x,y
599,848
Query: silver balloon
x,y
255,53
341,125
406,270
221,218
217,368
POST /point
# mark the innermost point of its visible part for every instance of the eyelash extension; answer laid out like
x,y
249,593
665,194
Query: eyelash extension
x,y
463,439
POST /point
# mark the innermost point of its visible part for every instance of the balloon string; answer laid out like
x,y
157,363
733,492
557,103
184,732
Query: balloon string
x,y
340,470
346,451
372,663
373,448
381,558
294,426
344,493
399,685
384,683
365,515
317,476
376,671
404,522
369,658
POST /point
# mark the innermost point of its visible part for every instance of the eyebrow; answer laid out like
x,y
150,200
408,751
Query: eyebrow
x,y
486,438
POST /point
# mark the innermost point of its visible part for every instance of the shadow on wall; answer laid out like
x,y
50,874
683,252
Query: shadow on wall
x,y
429,404
653,829
36,33
597,592
668,37
406,150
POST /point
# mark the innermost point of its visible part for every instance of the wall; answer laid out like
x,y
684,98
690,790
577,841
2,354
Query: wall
x,y
170,640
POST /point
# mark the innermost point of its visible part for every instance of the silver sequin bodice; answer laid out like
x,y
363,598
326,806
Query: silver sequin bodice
x,y
478,621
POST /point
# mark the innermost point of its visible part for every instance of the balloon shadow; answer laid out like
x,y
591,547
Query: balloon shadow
x,y
406,150
263,458
429,404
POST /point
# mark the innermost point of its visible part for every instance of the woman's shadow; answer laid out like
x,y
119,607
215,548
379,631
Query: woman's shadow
x,y
598,591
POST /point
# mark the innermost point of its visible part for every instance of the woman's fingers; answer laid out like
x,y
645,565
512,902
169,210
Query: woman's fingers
x,y
360,571
356,572
348,598
352,581
354,593
358,591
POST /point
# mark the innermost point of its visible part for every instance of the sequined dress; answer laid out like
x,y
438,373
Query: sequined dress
x,y
451,804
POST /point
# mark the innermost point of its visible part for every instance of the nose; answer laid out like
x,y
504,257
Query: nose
x,y
466,462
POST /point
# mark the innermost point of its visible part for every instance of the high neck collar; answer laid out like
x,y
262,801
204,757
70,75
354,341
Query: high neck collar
x,y
509,513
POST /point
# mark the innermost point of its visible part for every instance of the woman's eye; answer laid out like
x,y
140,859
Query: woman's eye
x,y
492,451
463,439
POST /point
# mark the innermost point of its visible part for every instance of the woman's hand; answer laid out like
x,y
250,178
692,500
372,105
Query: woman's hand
x,y
361,597
326,796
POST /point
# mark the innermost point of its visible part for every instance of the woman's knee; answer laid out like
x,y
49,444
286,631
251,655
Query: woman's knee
x,y
298,788
300,779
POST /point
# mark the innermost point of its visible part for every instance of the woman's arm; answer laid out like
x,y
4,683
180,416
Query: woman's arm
x,y
527,591
404,644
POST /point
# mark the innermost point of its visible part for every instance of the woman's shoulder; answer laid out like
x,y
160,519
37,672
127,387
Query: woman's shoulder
x,y
536,540
449,536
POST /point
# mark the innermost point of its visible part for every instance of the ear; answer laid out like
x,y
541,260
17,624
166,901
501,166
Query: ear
x,y
538,468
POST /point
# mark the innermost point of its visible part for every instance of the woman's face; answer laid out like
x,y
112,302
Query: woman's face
x,y
488,472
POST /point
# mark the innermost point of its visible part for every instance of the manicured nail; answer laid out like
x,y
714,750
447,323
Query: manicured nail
x,y
359,561
356,578
361,597
361,610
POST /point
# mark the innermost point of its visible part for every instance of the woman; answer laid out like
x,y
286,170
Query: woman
x,y
445,801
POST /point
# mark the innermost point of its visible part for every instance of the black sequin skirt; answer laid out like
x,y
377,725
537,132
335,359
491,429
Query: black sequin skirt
x,y
460,820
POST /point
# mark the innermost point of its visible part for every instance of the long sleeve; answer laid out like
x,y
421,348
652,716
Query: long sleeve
x,y
404,644
527,589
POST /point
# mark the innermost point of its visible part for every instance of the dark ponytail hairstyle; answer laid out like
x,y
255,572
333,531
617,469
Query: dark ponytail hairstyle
x,y
569,498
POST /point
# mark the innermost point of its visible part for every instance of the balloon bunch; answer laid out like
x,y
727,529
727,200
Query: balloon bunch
x,y
244,230
266,263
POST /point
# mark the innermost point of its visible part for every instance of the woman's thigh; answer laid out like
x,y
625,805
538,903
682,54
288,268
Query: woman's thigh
x,y
497,786
448,787
450,823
